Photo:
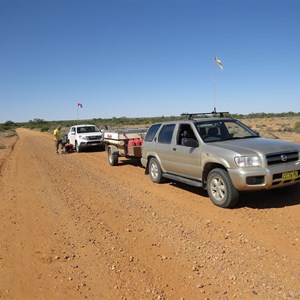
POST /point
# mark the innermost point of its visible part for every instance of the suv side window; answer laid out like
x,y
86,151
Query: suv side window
x,y
151,132
166,133
185,131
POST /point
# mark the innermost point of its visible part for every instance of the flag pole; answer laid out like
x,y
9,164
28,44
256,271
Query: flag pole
x,y
215,79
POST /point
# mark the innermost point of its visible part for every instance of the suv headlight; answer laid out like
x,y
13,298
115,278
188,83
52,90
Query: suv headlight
x,y
82,137
247,161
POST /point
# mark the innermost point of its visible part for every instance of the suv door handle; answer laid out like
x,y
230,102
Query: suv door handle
x,y
174,149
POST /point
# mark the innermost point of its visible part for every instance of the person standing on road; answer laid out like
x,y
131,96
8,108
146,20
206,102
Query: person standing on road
x,y
58,139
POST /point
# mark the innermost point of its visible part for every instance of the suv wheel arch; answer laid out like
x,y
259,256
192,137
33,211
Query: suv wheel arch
x,y
220,189
155,171
207,168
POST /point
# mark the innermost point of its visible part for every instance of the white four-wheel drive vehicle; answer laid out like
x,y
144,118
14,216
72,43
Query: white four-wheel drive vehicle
x,y
84,136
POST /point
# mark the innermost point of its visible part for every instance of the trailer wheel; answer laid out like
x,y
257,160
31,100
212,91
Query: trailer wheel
x,y
155,171
113,157
221,190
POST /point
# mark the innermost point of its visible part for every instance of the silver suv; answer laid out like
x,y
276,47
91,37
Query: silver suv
x,y
221,155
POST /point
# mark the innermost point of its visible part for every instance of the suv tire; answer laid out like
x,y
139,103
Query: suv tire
x,y
77,147
220,189
155,171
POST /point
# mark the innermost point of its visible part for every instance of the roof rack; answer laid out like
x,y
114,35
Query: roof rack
x,y
190,116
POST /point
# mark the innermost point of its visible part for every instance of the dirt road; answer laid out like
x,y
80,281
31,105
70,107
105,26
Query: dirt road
x,y
72,227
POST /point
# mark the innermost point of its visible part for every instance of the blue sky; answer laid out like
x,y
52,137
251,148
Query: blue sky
x,y
139,58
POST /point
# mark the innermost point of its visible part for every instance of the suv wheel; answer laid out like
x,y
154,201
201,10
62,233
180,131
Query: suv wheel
x,y
220,189
77,147
155,171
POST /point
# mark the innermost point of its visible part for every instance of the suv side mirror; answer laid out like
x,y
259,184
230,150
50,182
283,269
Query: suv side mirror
x,y
190,143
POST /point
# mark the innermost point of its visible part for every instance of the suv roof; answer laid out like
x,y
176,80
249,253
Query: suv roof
x,y
214,113
195,120
82,125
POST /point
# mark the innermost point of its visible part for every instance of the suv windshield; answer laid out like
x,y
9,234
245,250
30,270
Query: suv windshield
x,y
222,130
85,129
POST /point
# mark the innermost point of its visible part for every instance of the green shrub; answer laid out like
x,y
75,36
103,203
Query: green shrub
x,y
297,127
7,125
10,133
44,128
288,129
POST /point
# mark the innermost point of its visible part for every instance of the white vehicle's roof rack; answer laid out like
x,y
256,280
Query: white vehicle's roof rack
x,y
191,116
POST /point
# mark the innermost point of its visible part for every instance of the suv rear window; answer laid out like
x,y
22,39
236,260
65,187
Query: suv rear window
x,y
166,133
151,132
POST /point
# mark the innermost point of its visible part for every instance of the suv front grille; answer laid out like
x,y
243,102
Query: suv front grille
x,y
282,157
95,137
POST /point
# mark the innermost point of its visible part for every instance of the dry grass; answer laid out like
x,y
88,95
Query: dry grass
x,y
282,128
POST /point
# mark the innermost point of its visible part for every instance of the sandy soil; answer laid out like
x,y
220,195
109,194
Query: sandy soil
x,y
73,227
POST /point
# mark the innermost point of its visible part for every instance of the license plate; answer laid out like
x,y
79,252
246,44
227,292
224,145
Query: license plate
x,y
290,175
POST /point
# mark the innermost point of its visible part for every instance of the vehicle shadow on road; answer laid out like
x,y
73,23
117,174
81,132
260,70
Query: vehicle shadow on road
x,y
268,199
255,200
192,189
91,149
130,161
94,149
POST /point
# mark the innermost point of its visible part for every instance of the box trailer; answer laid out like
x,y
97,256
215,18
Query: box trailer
x,y
123,143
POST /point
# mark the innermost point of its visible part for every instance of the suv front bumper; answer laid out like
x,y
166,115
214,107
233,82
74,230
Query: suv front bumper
x,y
248,179
86,144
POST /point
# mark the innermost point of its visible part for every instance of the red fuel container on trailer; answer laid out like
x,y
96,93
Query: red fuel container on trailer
x,y
131,143
137,142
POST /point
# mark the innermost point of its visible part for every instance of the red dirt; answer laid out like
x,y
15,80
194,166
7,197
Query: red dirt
x,y
73,227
